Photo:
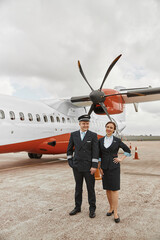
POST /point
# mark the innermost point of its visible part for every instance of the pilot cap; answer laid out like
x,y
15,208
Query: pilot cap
x,y
85,118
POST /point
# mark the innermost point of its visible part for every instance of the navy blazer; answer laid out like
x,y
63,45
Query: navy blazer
x,y
86,152
108,154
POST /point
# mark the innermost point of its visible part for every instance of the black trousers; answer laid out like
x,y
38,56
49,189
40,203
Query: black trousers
x,y
90,183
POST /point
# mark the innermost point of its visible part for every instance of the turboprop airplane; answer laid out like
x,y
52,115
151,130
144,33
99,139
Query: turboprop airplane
x,y
43,127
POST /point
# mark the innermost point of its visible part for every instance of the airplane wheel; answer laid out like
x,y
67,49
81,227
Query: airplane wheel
x,y
34,155
38,156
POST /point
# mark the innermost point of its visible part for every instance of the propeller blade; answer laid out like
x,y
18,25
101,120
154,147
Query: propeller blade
x,y
105,110
80,99
129,94
91,109
109,69
115,94
82,73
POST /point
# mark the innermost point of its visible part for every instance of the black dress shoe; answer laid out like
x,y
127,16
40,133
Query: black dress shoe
x,y
74,211
117,220
92,214
109,213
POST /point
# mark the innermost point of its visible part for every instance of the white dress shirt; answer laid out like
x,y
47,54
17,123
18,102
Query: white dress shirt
x,y
82,134
108,141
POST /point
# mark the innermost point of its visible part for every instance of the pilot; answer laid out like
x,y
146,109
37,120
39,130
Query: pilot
x,y
82,155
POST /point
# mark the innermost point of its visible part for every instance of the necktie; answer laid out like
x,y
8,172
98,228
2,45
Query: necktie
x,y
82,135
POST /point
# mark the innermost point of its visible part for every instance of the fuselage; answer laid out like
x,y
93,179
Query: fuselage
x,y
34,126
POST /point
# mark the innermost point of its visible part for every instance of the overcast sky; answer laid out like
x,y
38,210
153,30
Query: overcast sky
x,y
41,41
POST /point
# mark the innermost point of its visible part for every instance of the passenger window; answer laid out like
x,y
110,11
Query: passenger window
x,y
68,120
12,115
30,117
58,119
2,115
52,118
45,118
38,118
21,115
63,120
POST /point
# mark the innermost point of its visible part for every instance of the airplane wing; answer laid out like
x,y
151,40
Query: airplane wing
x,y
140,95
131,95
66,106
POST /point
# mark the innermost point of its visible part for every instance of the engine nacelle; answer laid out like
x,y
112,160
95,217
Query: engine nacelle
x,y
114,104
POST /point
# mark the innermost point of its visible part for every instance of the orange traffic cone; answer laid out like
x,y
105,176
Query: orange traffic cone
x,y
130,146
97,174
136,154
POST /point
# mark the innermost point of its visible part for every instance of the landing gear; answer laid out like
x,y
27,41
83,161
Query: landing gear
x,y
34,155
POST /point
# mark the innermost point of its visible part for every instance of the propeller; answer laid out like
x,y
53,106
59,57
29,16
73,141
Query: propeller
x,y
82,73
96,96
109,69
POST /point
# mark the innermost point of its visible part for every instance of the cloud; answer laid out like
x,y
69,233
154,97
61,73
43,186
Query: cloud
x,y
151,107
41,41
6,86
145,121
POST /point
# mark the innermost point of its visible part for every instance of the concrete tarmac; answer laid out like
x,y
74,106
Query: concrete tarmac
x,y
37,196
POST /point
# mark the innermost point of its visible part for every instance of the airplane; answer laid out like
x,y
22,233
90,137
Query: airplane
x,y
44,127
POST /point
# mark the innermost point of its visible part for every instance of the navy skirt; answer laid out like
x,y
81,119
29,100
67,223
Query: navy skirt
x,y
111,179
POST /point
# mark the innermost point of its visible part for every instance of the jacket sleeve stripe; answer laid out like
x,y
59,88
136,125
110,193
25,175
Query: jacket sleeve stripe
x,y
95,160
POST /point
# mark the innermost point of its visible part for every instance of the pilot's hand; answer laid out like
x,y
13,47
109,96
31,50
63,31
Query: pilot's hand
x,y
93,170
70,162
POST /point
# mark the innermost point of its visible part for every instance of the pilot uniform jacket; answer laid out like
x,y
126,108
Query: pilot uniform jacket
x,y
108,154
83,154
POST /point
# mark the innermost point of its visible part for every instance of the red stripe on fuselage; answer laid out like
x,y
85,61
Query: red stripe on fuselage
x,y
40,146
